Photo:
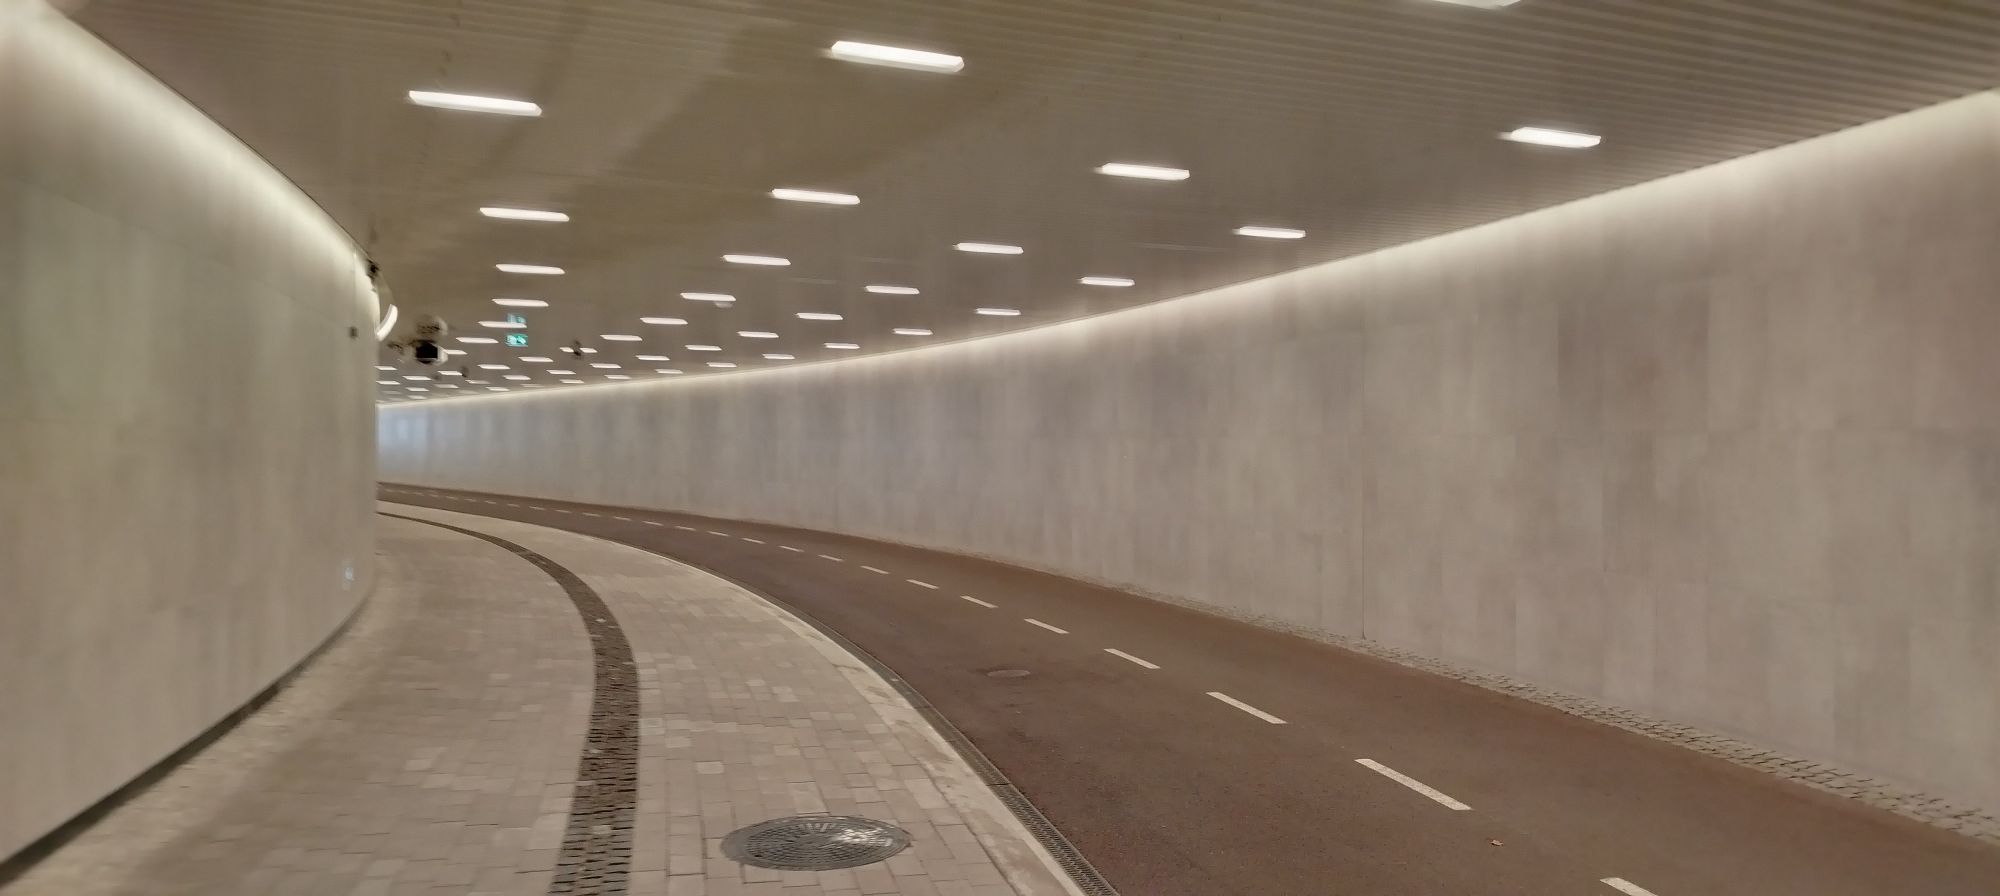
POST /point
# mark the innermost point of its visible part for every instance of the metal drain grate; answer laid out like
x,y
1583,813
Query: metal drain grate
x,y
815,842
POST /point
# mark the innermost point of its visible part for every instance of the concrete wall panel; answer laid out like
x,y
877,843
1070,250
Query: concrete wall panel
x,y
1723,448
185,480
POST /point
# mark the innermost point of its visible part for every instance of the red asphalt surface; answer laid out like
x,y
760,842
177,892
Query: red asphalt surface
x,y
1172,792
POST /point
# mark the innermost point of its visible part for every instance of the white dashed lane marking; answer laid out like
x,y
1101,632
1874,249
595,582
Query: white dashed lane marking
x,y
790,548
751,540
831,557
1422,788
968,597
1627,887
1129,658
873,569
921,584
1232,701
1040,624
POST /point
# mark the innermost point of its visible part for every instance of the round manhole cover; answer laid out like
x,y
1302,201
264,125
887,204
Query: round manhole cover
x,y
1007,673
815,842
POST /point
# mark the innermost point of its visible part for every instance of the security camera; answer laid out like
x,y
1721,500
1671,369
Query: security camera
x,y
426,346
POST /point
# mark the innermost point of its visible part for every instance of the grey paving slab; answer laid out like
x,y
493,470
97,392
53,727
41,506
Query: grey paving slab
x,y
435,748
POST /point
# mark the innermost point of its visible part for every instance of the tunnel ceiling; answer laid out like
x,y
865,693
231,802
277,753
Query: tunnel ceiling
x,y
1363,123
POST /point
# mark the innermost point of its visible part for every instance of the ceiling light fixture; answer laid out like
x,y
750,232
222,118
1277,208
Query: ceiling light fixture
x,y
780,357
511,268
458,351
537,359
447,385
416,389
618,337
493,367
477,340
450,373
1106,281
604,365
616,376
765,260
572,382
722,364
496,388
521,303
386,383
718,297
1482,4
880,289
562,372
912,331
704,348
1270,233
523,214
653,358
383,367
895,57
517,377
1144,172
388,323
803,315
417,378
663,321
821,197
988,248
502,325
667,370
843,346
466,102
756,334
998,312
1553,137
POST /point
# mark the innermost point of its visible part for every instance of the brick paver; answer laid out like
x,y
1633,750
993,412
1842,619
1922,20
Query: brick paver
x,y
435,748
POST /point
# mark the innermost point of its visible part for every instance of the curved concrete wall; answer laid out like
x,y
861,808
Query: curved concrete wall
x,y
186,478
1723,448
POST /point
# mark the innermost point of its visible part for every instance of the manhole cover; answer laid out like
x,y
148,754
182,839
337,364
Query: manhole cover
x,y
815,842
1007,673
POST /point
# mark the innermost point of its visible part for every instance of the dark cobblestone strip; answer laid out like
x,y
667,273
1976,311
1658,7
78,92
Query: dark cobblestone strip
x,y
596,857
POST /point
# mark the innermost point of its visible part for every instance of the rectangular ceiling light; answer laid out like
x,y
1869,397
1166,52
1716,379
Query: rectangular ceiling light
x,y
667,370
380,367
1271,233
458,351
604,365
704,348
989,248
521,303
502,325
572,382
496,388
780,357
417,378
387,383
1552,137
652,358
616,376
765,260
722,364
416,389
998,312
537,359
756,334
803,315
663,321
493,367
708,297
1106,281
882,290
523,214
451,373
477,340
618,337
563,372
549,270
819,196
895,57
912,331
465,102
516,376
1146,172
1482,4
843,346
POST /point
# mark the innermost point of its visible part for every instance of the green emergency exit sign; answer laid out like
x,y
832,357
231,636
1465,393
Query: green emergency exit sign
x,y
518,340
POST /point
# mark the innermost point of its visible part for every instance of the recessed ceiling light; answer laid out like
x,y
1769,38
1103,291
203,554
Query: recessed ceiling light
x,y
1147,172
496,388
537,359
416,389
465,102
528,269
492,367
756,334
663,321
616,376
517,377
1106,281
503,325
881,289
417,378
803,315
989,248
1552,137
619,337
572,382
477,382
818,196
724,364
667,370
587,351
386,383
1482,4
523,214
780,357
895,57
912,331
704,348
521,303
843,346
707,297
449,373
654,358
381,367
1270,233
766,260
563,372
604,365
447,385
998,312
460,351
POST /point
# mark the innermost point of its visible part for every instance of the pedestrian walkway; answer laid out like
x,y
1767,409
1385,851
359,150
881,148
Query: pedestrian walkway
x,y
521,710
